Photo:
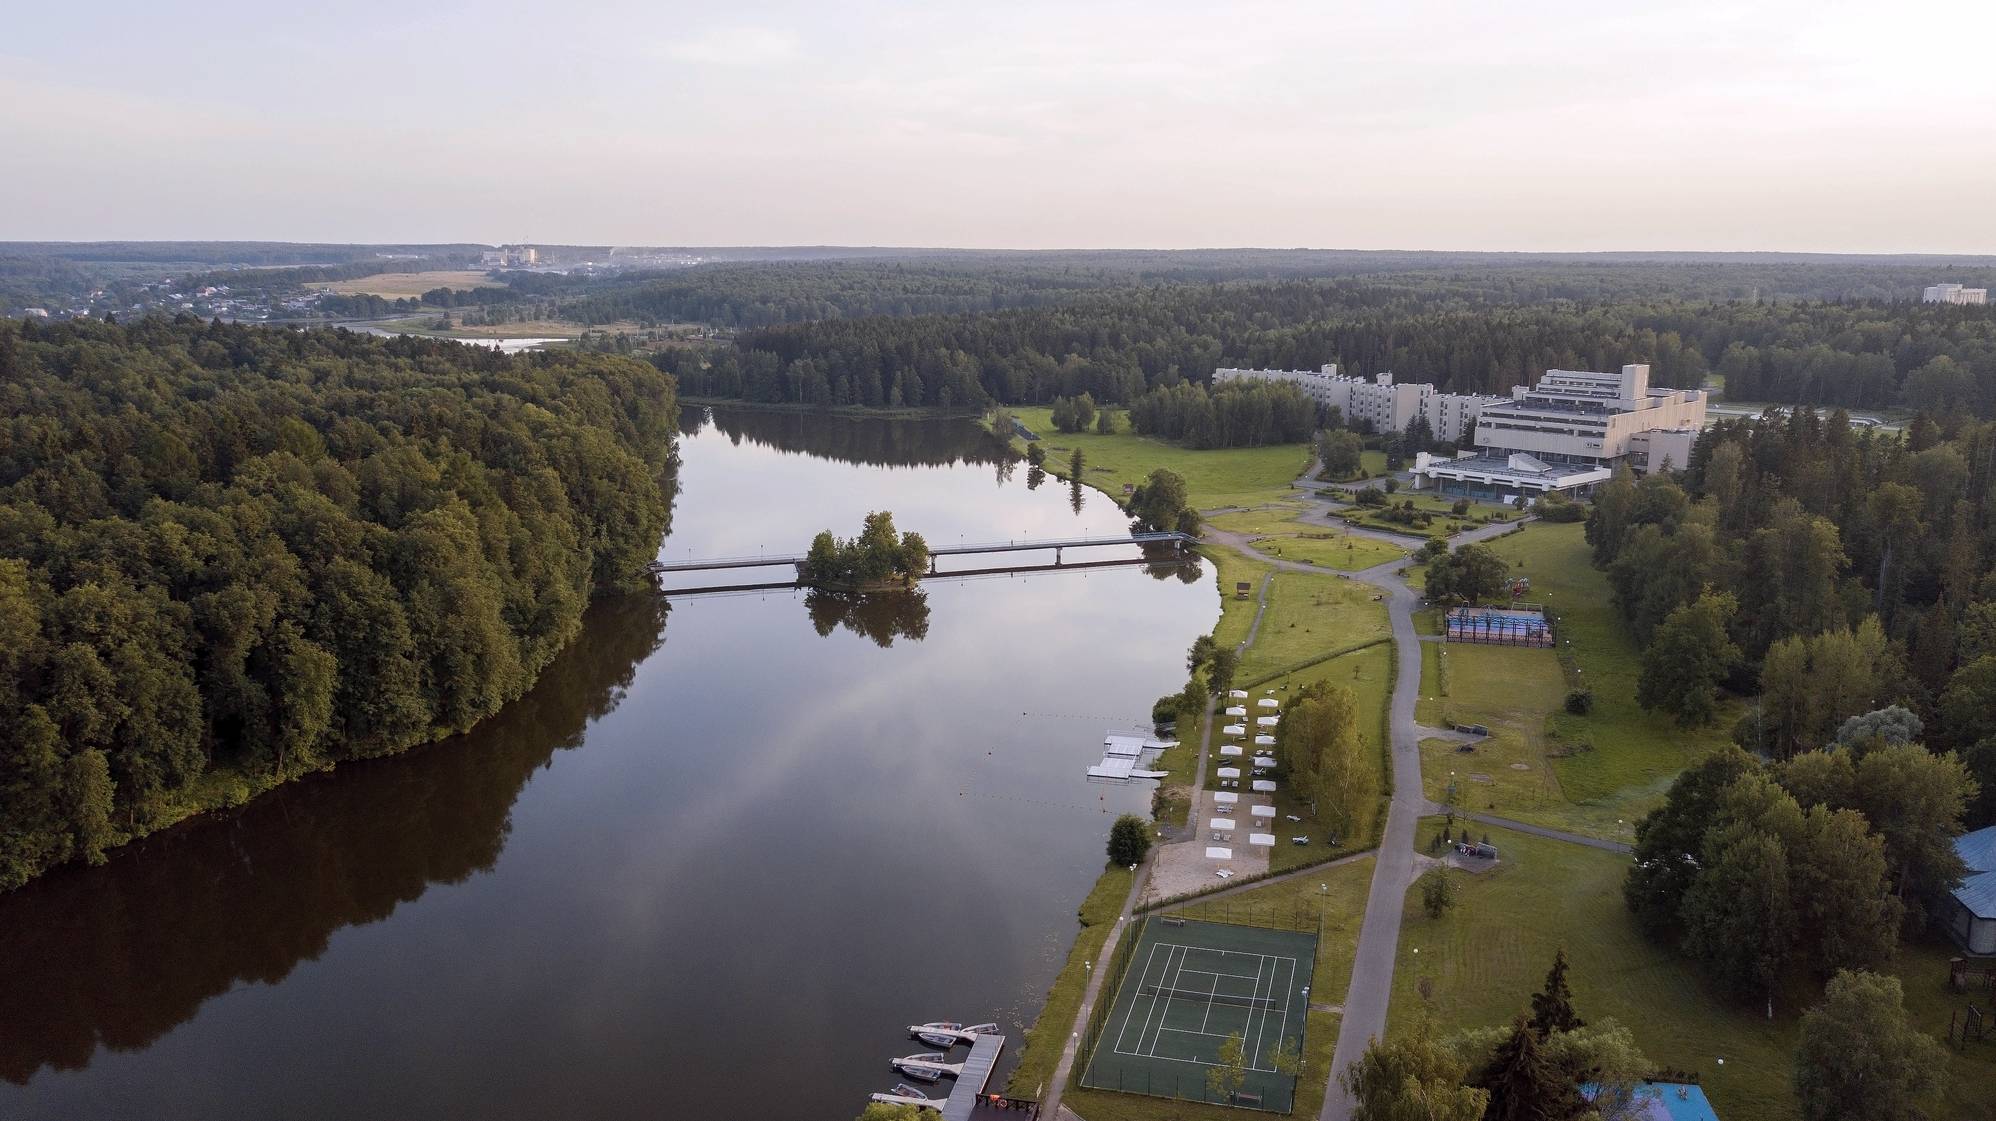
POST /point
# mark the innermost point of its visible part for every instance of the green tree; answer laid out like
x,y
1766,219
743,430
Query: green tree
x,y
1470,574
1914,799
1670,838
881,1111
1156,503
1200,653
1739,914
1341,452
1859,1060
1968,707
1524,1084
1129,840
1319,742
1105,423
1224,1079
1412,1078
1220,671
1690,654
1552,1006
1438,892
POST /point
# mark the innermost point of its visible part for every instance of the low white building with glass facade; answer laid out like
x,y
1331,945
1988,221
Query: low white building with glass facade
x,y
1568,433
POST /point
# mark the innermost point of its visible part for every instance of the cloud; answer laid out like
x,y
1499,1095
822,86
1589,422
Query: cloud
x,y
733,46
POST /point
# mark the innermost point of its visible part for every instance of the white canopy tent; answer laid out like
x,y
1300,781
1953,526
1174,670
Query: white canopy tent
x,y
1236,710
1265,840
1269,702
1264,741
1230,749
1267,721
1229,772
1264,786
1226,797
1235,730
1262,811
1237,694
1223,824
1217,852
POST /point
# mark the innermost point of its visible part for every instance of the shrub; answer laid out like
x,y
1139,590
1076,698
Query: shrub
x,y
1580,702
1129,840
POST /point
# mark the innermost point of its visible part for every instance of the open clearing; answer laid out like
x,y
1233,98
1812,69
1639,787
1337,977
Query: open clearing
x,y
406,285
1215,477
1595,774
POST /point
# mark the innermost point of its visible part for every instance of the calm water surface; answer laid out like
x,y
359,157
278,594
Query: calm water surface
x,y
728,847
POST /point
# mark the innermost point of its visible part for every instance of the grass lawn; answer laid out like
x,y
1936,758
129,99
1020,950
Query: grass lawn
x,y
1274,517
398,285
1321,547
1634,754
1341,901
1479,965
1216,477
1311,614
1044,1040
1236,615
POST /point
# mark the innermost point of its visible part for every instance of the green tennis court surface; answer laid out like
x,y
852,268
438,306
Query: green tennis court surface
x,y
1188,986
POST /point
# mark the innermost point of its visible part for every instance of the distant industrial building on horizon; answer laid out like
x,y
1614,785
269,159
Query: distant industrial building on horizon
x,y
1953,294
509,257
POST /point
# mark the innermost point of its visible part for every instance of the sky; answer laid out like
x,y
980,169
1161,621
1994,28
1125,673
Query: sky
x,y
1522,125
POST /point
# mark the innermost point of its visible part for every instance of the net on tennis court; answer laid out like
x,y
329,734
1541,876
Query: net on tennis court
x,y
1210,998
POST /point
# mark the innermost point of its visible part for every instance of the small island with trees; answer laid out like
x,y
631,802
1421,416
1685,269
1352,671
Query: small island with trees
x,y
879,558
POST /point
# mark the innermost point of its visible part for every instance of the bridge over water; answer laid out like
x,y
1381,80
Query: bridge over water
x,y
1178,541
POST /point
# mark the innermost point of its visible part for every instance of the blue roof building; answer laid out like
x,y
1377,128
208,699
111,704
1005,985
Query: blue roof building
x,y
1971,916
1664,1101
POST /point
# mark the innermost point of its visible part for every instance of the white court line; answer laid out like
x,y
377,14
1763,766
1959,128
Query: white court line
x,y
1257,1017
1208,1014
1131,1009
1158,1008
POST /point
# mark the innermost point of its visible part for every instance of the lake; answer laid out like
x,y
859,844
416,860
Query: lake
x,y
728,847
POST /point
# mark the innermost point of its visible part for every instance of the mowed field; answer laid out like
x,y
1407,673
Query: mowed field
x,y
407,285
1594,774
1214,477
1478,965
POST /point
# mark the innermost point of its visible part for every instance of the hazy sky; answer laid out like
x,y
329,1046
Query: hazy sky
x,y
1518,124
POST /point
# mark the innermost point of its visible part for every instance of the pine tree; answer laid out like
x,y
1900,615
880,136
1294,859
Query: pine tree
x,y
1524,1084
1552,1007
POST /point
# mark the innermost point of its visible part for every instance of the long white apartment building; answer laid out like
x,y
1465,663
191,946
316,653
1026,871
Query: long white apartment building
x,y
1378,401
1953,294
1568,433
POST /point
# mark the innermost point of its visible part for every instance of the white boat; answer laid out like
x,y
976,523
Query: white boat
x,y
948,1033
926,1067
904,1094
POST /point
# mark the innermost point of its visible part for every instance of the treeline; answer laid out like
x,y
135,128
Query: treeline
x,y
1119,344
294,278
231,555
1827,571
1237,415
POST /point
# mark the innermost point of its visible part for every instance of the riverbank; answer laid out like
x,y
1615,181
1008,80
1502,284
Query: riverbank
x,y
902,413
1295,627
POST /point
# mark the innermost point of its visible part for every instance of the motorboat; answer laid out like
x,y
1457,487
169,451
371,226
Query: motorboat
x,y
941,1033
926,1067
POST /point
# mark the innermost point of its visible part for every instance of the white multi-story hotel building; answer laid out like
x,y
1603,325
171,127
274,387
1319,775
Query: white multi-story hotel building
x,y
1378,401
1953,294
1568,433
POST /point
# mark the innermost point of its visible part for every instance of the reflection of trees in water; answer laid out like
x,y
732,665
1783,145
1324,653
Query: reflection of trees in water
x,y
1035,475
1163,562
1075,494
880,616
871,440
119,955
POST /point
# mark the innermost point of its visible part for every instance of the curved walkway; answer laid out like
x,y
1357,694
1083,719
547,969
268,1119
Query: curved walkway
x,y
1371,988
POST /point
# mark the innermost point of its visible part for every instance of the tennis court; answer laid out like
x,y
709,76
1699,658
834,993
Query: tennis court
x,y
1188,986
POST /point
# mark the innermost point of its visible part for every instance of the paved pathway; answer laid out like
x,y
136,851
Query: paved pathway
x,y
1050,1102
1371,987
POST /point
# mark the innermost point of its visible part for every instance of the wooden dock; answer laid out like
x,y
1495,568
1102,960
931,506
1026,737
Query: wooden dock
x,y
970,1085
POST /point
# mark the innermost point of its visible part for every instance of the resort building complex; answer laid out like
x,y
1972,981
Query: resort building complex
x,y
1377,402
1568,433
1953,294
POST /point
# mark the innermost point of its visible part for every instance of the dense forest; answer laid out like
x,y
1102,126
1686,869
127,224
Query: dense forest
x,y
232,555
1119,344
1823,571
